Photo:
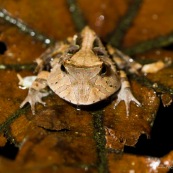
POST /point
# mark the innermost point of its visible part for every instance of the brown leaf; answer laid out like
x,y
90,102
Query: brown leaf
x,y
127,129
152,21
60,138
139,164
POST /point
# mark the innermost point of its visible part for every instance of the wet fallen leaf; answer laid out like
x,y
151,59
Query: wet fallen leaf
x,y
60,138
127,129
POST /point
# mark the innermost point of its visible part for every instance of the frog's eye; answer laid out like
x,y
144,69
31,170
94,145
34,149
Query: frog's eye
x,y
99,51
78,40
98,48
73,49
103,70
63,69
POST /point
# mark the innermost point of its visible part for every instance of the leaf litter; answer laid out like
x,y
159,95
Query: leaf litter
x,y
60,138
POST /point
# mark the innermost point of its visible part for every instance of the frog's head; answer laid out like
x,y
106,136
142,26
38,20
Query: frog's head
x,y
85,74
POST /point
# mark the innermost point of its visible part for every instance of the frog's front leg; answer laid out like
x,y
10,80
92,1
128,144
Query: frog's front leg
x,y
125,93
37,90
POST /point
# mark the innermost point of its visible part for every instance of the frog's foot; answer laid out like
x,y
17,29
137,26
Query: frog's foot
x,y
34,97
126,96
125,93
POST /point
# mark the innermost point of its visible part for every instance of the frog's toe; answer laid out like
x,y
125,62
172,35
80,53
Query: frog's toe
x,y
33,98
127,97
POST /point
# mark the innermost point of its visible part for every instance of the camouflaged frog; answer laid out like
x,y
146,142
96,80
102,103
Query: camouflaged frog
x,y
82,71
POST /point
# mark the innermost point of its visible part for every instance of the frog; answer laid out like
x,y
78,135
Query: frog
x,y
83,71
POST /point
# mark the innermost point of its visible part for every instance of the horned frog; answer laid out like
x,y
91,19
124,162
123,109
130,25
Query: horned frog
x,y
82,71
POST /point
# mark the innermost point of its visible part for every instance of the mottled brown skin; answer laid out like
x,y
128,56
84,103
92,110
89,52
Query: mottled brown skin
x,y
82,71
